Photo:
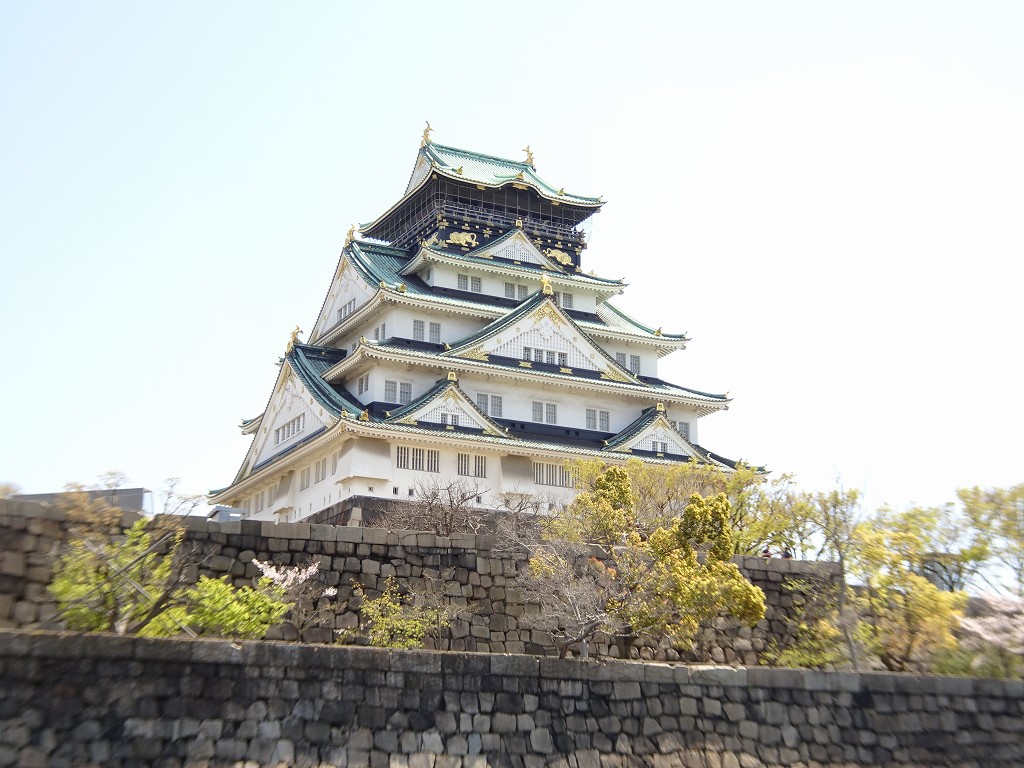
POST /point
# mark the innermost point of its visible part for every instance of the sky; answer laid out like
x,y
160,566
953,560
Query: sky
x,y
826,197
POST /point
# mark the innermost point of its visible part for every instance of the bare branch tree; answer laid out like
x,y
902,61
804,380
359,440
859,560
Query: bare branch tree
x,y
443,507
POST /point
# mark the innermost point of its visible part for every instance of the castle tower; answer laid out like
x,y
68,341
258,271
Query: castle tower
x,y
460,338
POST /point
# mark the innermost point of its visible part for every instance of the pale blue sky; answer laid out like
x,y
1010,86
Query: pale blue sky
x,y
827,197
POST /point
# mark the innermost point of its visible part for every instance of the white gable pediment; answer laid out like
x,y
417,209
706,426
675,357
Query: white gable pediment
x,y
659,437
546,335
419,173
453,409
348,293
292,416
521,249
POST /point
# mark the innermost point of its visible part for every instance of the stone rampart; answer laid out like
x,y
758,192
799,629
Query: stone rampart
x,y
469,570
96,700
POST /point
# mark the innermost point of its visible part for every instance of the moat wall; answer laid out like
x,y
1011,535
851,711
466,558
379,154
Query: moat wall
x,y
97,700
468,570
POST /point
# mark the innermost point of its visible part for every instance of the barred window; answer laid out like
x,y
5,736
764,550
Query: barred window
x,y
304,479
510,290
450,418
321,470
476,285
289,429
489,404
417,330
463,282
553,474
521,292
620,358
433,461
545,412
435,333
390,391
597,419
634,363
405,393
683,428
402,457
472,466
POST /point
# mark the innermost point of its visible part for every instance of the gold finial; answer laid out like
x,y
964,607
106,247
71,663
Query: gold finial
x,y
350,236
658,332
561,191
459,170
426,135
293,340
520,176
660,407
452,376
529,155
519,223
545,286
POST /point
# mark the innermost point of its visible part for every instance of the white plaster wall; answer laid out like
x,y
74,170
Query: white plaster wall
x,y
287,403
346,287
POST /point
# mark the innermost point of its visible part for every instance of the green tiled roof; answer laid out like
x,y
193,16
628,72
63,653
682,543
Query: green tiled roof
x,y
310,363
494,171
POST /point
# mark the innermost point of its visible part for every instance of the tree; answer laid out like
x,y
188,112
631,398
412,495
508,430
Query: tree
x,y
310,603
994,634
907,619
660,582
8,489
443,507
394,620
998,514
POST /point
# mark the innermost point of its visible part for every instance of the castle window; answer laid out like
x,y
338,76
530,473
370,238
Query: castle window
x,y
321,470
405,393
634,363
421,459
450,418
620,358
563,300
553,474
472,466
510,290
435,333
521,292
417,330
597,419
363,384
463,282
390,391
347,309
402,457
489,404
476,285
289,429
380,332
683,428
304,479
545,412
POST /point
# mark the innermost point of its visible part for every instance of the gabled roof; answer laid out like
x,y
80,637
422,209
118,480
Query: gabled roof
x,y
472,346
446,389
492,171
649,420
484,170
483,256
309,364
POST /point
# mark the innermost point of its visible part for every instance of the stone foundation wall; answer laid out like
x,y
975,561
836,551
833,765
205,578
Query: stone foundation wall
x,y
467,569
95,700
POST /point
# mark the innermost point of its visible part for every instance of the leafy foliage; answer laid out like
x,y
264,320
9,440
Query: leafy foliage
x,y
660,581
394,621
998,514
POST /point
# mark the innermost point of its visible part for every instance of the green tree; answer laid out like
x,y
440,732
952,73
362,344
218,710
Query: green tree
x,y
660,581
394,620
998,514
907,620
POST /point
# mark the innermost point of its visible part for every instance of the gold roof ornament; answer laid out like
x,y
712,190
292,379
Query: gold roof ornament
x,y
426,135
452,376
364,416
545,286
658,332
519,223
350,236
561,191
529,155
293,340
660,407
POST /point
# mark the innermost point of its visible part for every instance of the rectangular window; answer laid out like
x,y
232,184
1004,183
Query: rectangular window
x,y
435,333
433,461
566,301
348,309
463,282
402,457
563,359
304,479
335,462
634,363
476,285
659,446
604,421
390,391
620,358
363,384
526,353
553,474
683,428
489,404
405,393
417,330
550,357
321,470
472,466
545,412
417,458
289,429
450,418
521,292
591,418
510,290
